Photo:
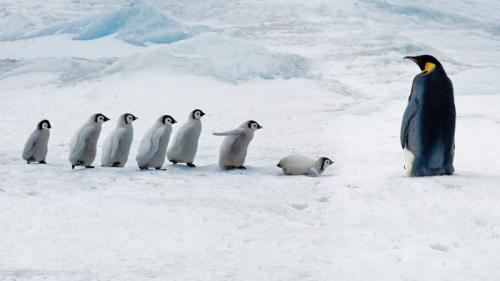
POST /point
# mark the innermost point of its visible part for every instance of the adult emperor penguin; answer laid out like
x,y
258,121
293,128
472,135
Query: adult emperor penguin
x,y
428,129
303,165
84,144
185,145
35,149
117,145
234,147
154,144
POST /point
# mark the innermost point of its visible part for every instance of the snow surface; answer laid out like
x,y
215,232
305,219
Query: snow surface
x,y
324,78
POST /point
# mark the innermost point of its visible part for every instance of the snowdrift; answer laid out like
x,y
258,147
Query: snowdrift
x,y
136,24
14,27
67,69
211,54
219,56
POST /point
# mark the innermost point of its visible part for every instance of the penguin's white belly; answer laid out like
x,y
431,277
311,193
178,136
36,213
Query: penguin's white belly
x,y
297,165
296,169
409,157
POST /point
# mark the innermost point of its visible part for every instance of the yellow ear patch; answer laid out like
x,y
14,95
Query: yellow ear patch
x,y
429,66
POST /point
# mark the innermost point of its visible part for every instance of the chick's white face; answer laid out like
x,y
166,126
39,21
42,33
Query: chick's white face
x,y
45,126
100,119
254,126
167,119
197,114
130,118
328,162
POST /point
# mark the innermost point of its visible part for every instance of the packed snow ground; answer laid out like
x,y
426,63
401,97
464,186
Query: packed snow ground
x,y
324,78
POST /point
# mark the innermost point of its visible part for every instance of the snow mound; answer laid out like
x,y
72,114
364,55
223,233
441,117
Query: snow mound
x,y
13,25
208,54
136,24
226,58
426,14
68,69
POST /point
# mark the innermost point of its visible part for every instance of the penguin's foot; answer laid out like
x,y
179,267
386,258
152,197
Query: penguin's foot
x,y
89,167
116,164
31,159
160,169
191,165
78,163
143,168
42,162
174,162
241,167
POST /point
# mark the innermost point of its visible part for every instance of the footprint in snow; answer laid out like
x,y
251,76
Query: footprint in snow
x,y
439,247
324,199
299,206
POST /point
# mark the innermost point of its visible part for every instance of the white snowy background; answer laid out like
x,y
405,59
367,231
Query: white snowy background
x,y
324,78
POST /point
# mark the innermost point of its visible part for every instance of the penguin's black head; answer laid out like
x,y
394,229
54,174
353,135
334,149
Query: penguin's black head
x,y
167,119
129,118
252,125
427,63
325,162
100,118
44,125
197,114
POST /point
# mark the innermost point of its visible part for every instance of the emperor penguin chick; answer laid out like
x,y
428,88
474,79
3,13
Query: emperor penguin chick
x,y
117,145
83,146
35,149
154,144
185,145
303,165
234,147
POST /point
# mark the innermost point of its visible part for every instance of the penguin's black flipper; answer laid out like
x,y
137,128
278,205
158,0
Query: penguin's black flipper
x,y
410,112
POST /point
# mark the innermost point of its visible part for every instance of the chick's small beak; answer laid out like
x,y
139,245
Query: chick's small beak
x,y
134,118
259,127
106,119
202,113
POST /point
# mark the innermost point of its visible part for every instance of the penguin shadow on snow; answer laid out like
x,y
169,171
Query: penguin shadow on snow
x,y
200,170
